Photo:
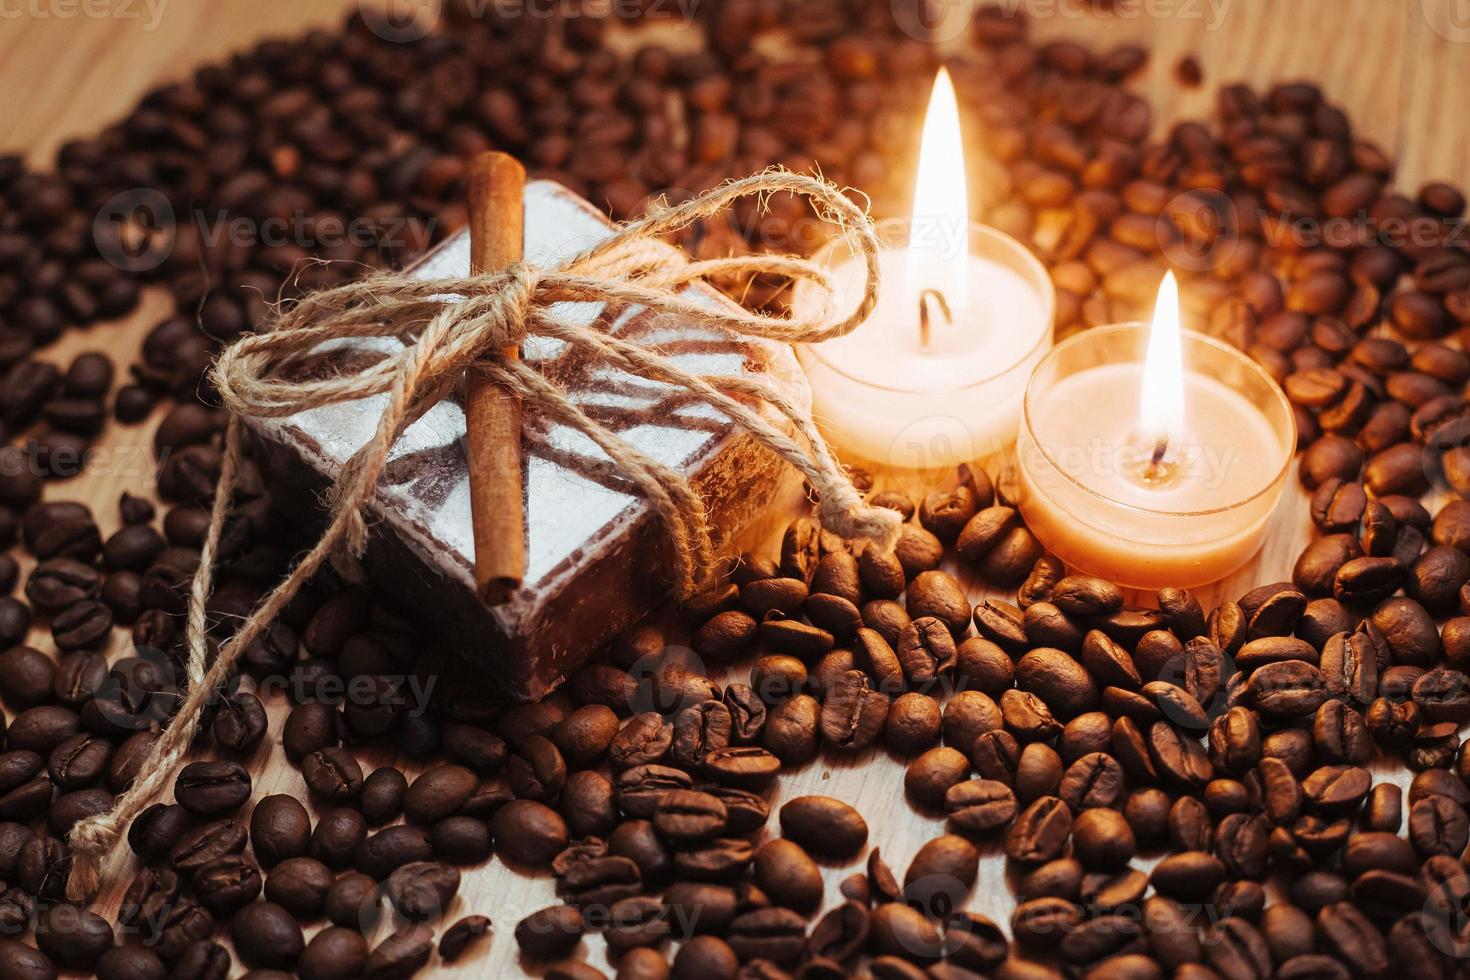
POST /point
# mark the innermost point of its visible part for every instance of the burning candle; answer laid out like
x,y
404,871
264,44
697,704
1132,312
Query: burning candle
x,y
1151,455
936,374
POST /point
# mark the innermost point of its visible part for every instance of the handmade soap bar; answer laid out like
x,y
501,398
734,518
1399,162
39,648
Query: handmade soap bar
x,y
595,554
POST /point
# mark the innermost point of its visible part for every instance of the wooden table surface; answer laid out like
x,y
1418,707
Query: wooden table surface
x,y
1398,67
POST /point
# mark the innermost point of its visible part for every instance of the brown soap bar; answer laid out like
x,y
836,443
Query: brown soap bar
x,y
596,555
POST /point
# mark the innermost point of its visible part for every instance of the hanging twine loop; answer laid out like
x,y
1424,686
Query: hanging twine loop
x,y
441,339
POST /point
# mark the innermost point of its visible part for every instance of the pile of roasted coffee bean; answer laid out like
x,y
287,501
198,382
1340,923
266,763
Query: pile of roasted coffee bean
x,y
1071,730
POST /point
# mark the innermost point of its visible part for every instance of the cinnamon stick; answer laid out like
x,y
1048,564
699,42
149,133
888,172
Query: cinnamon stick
x,y
496,183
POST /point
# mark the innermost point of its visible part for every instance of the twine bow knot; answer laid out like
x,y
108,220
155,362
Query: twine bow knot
x,y
443,328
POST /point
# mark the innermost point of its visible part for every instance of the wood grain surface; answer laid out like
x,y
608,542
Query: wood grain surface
x,y
1398,67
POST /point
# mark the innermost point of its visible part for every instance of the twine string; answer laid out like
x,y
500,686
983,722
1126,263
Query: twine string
x,y
448,327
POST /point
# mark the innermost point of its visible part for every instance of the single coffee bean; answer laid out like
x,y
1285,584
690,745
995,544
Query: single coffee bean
x,y
266,936
689,816
979,806
929,777
786,873
239,722
227,885
402,954
852,714
131,963
1040,831
528,832
333,953
353,901
332,774
383,793
310,727
25,962
1061,682
741,767
776,934
550,933
914,723
422,890
212,788
392,848
338,833
459,937
824,826
942,873
300,886
1349,935
792,730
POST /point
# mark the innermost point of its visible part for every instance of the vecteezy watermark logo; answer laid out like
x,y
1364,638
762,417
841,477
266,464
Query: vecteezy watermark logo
x,y
1199,230
1211,12
135,229
937,21
1202,465
149,12
1450,19
641,10
400,21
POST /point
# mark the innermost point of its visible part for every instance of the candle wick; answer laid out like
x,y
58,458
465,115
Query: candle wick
x,y
924,297
1160,448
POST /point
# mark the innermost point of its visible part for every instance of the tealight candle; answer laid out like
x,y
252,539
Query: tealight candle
x,y
936,374
1150,455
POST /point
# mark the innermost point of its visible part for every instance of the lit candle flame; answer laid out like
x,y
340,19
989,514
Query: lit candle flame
x,y
939,238
1161,407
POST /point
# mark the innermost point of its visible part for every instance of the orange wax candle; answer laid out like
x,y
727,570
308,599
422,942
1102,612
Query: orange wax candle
x,y
1152,463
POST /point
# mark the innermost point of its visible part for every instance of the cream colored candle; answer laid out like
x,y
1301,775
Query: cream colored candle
x,y
936,374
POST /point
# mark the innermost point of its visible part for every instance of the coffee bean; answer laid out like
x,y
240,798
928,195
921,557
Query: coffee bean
x,y
130,963
792,731
852,714
25,962
26,677
1040,831
786,873
841,933
15,620
383,793
941,874
1058,680
332,774
527,832
1349,935
550,933
310,727
689,816
212,788
353,901
227,885
266,936
775,934
422,890
62,582
338,833
725,636
332,953
929,777
914,723
459,937
400,955
824,826
300,886
398,845
938,594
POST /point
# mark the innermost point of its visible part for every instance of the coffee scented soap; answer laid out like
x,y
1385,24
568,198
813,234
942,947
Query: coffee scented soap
x,y
595,553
